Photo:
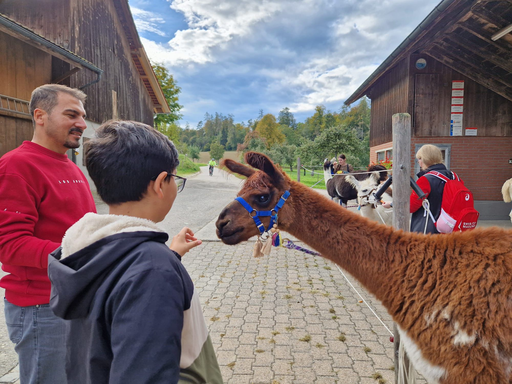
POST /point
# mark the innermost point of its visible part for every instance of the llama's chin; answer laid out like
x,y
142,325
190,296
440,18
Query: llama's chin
x,y
230,238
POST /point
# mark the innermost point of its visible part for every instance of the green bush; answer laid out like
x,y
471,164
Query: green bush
x,y
186,166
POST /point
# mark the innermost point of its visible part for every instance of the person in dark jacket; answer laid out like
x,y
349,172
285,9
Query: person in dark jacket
x,y
430,158
134,314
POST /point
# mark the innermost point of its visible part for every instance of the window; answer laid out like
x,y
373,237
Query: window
x,y
385,155
445,150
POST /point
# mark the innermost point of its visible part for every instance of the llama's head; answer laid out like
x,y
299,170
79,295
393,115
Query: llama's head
x,y
262,191
365,188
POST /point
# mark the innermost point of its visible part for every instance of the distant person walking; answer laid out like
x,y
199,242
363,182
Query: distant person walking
x,y
211,165
42,193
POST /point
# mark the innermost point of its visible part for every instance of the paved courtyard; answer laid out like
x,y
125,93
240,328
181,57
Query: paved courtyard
x,y
288,318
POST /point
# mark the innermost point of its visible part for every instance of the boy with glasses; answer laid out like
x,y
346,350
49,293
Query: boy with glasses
x,y
135,316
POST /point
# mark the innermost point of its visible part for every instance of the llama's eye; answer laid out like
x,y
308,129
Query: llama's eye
x,y
263,199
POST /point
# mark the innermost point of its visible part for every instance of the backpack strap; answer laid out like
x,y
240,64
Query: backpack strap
x,y
443,177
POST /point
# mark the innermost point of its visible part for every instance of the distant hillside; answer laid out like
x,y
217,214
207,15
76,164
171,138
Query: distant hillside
x,y
204,157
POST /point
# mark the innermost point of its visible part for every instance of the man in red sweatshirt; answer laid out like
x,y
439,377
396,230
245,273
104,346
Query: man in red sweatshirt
x,y
42,193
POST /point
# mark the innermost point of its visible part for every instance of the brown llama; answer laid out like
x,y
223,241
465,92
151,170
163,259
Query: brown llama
x,y
450,295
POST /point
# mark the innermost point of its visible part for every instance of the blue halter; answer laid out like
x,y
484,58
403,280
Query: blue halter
x,y
256,214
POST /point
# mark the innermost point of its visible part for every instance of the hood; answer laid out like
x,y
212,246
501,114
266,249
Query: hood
x,y
441,168
90,249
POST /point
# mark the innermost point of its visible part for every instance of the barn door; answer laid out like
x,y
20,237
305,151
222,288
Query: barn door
x,y
432,100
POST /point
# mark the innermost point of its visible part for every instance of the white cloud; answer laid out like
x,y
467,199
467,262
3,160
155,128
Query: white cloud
x,y
145,21
269,54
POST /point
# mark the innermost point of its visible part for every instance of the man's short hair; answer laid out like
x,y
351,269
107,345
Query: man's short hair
x,y
342,156
46,96
124,156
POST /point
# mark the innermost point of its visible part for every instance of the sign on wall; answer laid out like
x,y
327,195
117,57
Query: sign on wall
x,y
457,108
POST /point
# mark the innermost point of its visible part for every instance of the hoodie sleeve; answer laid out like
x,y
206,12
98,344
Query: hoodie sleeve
x,y
147,321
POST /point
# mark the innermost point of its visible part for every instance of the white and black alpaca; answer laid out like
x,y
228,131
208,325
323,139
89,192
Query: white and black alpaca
x,y
368,207
339,189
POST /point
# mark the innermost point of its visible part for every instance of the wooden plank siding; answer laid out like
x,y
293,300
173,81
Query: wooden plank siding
x,y
483,109
48,18
108,49
26,67
388,97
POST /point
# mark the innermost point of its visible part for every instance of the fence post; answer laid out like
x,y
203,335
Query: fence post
x,y
401,193
298,169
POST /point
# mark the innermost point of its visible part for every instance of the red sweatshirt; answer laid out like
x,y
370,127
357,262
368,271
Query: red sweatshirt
x,y
42,193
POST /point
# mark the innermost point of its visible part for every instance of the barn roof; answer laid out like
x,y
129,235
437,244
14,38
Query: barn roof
x,y
140,58
471,37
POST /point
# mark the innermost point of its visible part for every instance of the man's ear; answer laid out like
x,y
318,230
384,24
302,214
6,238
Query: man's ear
x,y
157,185
39,115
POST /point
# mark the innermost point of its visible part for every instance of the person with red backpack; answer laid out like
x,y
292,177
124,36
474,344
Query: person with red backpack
x,y
449,202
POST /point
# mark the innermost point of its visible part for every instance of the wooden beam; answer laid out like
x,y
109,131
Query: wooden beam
x,y
481,52
486,39
477,66
471,72
64,76
15,114
490,17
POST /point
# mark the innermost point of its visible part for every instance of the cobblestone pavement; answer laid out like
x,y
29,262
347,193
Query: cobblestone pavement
x,y
288,318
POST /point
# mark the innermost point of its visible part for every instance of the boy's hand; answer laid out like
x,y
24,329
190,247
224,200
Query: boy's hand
x,y
184,241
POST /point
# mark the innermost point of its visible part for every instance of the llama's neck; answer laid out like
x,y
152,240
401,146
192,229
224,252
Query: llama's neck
x,y
327,175
362,247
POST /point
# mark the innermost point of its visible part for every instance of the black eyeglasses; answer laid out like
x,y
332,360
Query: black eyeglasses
x,y
180,181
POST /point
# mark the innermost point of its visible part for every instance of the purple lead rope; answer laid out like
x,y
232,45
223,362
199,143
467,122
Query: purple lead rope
x,y
289,244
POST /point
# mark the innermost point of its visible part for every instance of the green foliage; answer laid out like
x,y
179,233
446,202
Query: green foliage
x,y
269,130
193,152
323,135
186,166
171,91
216,150
171,130
286,118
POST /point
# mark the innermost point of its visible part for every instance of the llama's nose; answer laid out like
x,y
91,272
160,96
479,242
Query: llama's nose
x,y
222,221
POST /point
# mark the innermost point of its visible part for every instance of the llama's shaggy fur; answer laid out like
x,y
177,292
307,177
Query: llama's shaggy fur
x,y
338,188
506,190
451,295
365,199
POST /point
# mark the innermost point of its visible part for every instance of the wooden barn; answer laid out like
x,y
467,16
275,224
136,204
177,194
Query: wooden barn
x,y
453,75
89,44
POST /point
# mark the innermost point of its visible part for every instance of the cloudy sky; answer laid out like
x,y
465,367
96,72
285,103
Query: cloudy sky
x,y
242,56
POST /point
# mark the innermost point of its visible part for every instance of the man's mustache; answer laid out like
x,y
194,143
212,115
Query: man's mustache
x,y
77,130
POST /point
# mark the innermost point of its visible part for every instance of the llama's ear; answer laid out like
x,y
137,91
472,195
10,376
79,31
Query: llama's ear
x,y
263,163
352,181
376,177
237,168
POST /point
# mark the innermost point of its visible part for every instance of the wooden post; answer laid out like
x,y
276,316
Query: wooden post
x,y
298,169
401,192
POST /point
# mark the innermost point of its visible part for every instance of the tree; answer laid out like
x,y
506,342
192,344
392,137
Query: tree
x,y
171,130
193,152
286,118
269,130
216,150
171,91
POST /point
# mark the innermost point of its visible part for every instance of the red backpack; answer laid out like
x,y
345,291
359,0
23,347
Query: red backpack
x,y
457,208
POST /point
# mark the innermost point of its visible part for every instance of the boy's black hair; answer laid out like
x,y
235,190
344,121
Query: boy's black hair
x,y
124,156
